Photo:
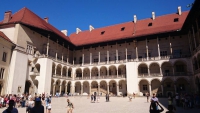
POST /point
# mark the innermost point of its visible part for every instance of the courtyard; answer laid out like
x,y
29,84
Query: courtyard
x,y
116,105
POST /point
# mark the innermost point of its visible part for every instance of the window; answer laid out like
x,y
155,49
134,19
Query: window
x,y
4,56
128,56
163,53
29,49
1,73
175,19
102,32
118,58
106,58
80,60
177,53
74,58
122,29
144,87
148,54
96,60
150,24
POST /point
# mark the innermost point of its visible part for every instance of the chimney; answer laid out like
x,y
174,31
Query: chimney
x,y
91,27
64,32
153,15
46,19
179,10
78,30
7,16
135,18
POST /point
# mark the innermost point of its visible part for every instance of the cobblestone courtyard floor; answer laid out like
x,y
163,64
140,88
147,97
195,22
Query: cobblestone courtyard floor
x,y
116,105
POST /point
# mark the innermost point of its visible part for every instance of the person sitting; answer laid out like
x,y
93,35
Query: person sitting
x,y
153,107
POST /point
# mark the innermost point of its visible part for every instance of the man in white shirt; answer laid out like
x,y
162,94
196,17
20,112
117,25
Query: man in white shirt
x,y
154,98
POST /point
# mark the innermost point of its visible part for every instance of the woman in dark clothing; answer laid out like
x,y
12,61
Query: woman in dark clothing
x,y
38,108
153,107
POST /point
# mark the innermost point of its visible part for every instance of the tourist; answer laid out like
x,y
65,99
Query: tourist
x,y
147,95
153,107
107,96
95,94
70,106
130,98
30,105
38,108
154,98
49,107
177,99
11,109
92,96
133,95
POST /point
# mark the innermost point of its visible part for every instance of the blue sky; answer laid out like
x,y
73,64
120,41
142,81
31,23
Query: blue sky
x,y
70,14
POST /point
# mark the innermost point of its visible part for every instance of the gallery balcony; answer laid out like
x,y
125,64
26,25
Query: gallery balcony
x,y
101,77
34,73
61,77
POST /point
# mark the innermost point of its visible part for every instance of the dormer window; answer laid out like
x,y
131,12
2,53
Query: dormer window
x,y
102,32
122,29
176,19
150,24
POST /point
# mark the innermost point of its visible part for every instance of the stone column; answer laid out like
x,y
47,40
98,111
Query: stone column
x,y
61,71
173,71
55,71
89,89
66,88
81,89
126,53
162,90
107,72
83,59
147,50
175,88
170,46
90,73
99,73
54,88
99,55
117,89
108,89
116,53
158,48
160,71
136,49
98,89
148,71
194,37
150,89
82,74
117,73
60,88
67,72
90,58
47,46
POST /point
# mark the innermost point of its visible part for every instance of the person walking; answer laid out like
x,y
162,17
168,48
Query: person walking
x,y
92,96
70,106
11,109
133,95
147,95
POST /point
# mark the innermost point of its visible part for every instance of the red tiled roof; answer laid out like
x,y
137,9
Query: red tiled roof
x,y
5,37
25,16
161,24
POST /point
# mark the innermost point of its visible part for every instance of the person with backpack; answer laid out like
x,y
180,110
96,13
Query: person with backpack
x,y
70,106
11,109
38,108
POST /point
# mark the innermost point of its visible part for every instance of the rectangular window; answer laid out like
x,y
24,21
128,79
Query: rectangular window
x,y
148,54
4,56
1,73
118,58
177,53
128,56
74,59
96,60
163,53
145,87
29,49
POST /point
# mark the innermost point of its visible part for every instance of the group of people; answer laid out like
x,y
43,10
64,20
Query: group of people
x,y
32,103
